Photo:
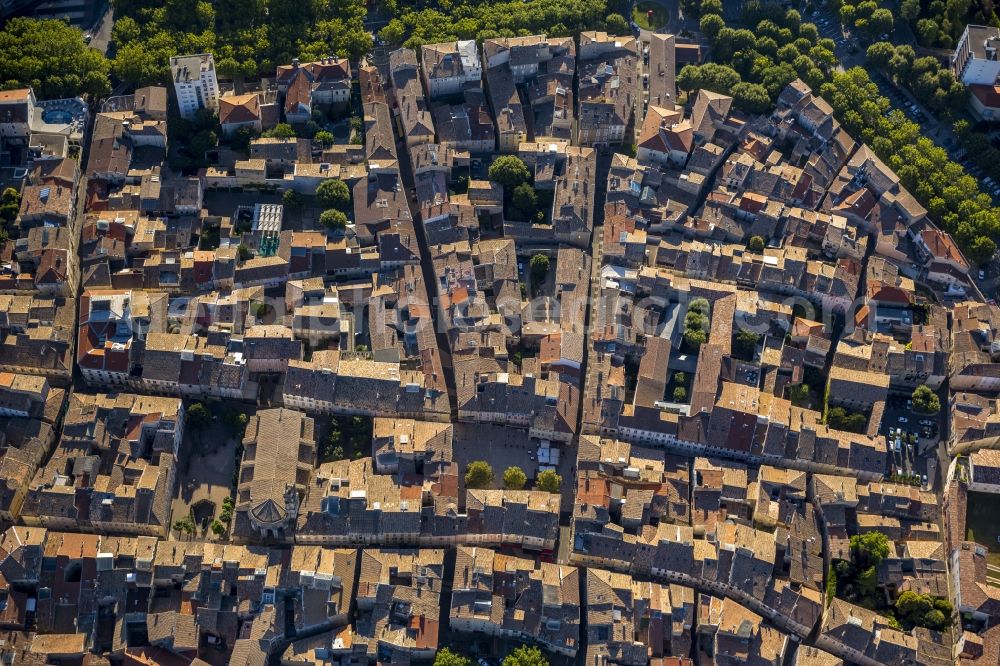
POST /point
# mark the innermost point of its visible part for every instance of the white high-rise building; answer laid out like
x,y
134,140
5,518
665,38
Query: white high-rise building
x,y
194,83
975,61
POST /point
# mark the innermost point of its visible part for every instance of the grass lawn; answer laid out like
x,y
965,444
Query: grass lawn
x,y
981,524
640,16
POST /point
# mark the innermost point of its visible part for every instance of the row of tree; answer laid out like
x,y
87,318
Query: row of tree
x,y
479,474
939,23
857,581
978,147
417,24
521,656
247,38
934,86
866,17
754,66
51,57
951,196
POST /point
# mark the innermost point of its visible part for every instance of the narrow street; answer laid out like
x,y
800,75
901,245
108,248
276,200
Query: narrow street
x,y
430,279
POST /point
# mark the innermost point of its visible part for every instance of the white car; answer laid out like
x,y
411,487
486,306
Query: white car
x,y
902,419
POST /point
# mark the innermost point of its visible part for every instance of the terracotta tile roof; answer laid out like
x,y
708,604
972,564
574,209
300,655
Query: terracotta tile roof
x,y
239,109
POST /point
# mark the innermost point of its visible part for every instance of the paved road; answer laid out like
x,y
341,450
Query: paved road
x,y
101,32
803,632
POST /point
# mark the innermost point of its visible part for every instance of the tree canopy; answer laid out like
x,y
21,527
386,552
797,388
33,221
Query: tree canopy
x,y
526,656
923,610
416,24
478,474
549,481
514,478
198,416
247,38
539,267
839,418
925,400
446,657
754,64
696,323
333,193
523,202
510,171
50,56
334,219
870,548
950,195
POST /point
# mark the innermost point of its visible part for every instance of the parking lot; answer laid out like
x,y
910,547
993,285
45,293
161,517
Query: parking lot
x,y
205,474
507,447
912,439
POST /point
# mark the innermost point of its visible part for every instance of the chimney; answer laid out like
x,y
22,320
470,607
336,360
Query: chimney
x,y
295,63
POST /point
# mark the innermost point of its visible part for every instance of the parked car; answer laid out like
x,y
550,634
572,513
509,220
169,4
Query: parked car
x,y
902,419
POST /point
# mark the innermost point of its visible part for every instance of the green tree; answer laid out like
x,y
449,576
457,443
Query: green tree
x,y
927,31
478,474
880,54
243,252
218,528
755,97
925,400
870,548
510,171
880,22
281,131
324,137
680,378
981,249
799,395
526,656
241,138
50,56
10,205
909,10
710,76
446,657
840,419
745,343
332,218
333,193
291,199
514,478
756,244
711,7
933,619
615,24
711,25
198,416
227,510
694,338
867,582
699,305
184,525
912,606
524,201
680,394
549,481
539,267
